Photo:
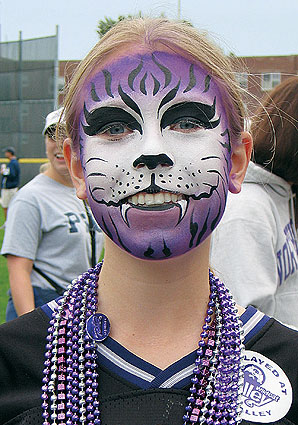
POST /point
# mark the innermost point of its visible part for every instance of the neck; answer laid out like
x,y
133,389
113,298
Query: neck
x,y
155,301
64,179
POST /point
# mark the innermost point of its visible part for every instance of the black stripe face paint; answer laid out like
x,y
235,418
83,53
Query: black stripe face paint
x,y
99,120
201,113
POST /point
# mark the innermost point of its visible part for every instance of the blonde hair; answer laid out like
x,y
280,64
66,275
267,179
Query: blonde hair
x,y
152,33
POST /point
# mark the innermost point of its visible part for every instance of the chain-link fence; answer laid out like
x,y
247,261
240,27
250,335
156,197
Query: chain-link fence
x,y
28,92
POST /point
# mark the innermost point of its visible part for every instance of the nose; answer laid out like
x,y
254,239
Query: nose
x,y
152,161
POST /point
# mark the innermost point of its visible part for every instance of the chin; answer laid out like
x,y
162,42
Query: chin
x,y
152,235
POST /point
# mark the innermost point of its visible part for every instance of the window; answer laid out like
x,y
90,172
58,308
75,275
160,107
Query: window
x,y
269,80
242,79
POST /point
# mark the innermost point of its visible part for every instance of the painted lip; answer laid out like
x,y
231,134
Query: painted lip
x,y
160,201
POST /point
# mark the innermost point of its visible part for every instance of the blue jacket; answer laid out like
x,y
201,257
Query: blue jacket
x,y
11,176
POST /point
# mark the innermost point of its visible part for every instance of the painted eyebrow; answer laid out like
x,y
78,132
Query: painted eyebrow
x,y
200,111
129,101
168,97
100,117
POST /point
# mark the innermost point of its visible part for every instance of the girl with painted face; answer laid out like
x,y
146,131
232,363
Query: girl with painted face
x,y
151,336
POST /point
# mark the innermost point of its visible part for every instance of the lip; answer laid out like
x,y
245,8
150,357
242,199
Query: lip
x,y
153,203
162,207
59,157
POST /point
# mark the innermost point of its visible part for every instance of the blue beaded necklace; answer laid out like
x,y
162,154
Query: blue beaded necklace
x,y
70,382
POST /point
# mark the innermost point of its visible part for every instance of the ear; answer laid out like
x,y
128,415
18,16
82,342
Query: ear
x,y
240,158
75,169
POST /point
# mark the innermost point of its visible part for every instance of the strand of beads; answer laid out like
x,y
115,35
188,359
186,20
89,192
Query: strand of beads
x,y
75,305
220,383
89,393
51,365
200,390
72,377
208,412
229,374
68,308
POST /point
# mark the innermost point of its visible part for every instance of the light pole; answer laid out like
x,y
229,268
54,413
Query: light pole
x,y
179,10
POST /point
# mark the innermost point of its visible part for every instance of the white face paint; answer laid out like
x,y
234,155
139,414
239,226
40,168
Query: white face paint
x,y
156,154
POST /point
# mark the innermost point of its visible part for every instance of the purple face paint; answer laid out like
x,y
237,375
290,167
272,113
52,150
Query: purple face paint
x,y
156,151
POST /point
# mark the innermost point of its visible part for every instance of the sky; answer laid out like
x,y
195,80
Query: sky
x,y
244,27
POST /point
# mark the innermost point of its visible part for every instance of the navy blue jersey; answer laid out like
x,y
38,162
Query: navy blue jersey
x,y
124,399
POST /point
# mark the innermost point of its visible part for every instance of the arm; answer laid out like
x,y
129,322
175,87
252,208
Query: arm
x,y
244,247
243,255
13,169
19,269
20,245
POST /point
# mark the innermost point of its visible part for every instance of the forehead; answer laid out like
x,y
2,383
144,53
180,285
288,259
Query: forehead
x,y
150,74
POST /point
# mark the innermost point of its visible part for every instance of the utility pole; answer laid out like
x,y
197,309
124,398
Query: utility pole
x,y
0,21
179,10
56,70
20,92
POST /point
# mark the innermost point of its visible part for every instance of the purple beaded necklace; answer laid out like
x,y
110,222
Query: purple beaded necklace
x,y
70,382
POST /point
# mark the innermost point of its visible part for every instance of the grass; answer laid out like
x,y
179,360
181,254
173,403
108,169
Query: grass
x,y
4,282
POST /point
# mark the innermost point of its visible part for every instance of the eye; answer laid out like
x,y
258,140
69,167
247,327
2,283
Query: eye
x,y
186,125
114,131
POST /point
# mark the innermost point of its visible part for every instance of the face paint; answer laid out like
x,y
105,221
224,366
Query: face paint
x,y
156,151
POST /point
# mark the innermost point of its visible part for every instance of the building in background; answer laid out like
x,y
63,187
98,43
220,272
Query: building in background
x,y
28,92
262,73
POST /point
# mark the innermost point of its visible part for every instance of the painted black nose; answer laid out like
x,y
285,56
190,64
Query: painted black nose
x,y
152,161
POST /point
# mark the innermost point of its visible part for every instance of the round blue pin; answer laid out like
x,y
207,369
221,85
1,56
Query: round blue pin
x,y
98,327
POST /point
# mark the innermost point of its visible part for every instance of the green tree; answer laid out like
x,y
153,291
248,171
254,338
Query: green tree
x,y
104,25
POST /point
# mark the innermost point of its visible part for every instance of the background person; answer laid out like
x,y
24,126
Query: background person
x,y
260,222
46,220
10,179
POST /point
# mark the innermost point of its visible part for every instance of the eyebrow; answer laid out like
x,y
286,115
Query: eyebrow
x,y
100,117
129,102
200,111
168,97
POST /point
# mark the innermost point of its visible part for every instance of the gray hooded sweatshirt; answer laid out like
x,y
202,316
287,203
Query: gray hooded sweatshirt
x,y
254,249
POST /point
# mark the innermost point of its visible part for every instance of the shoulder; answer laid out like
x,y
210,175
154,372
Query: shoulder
x,y
251,205
13,162
252,195
22,347
30,186
31,191
24,334
279,344
278,341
